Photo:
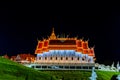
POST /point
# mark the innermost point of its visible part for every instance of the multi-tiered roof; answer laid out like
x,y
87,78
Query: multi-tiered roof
x,y
55,43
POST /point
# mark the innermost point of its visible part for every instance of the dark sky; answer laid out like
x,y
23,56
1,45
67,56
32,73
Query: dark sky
x,y
20,28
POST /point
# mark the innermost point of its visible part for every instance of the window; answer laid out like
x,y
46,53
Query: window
x,y
44,66
50,58
72,67
66,58
78,67
38,66
61,58
45,58
56,58
83,59
39,58
32,66
78,58
66,67
60,66
85,67
72,58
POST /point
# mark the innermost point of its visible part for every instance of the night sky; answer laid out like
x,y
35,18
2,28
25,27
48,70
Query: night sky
x,y
21,27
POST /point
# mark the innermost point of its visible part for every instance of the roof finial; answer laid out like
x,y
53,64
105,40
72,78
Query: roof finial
x,y
53,30
53,36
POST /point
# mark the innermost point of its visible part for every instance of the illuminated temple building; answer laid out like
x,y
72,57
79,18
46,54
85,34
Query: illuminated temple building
x,y
63,53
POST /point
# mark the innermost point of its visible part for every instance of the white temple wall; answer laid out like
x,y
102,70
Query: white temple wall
x,y
64,56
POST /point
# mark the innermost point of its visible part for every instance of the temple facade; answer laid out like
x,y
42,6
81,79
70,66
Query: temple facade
x,y
63,53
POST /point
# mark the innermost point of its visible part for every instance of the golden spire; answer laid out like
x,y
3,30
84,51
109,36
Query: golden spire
x,y
53,36
53,30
